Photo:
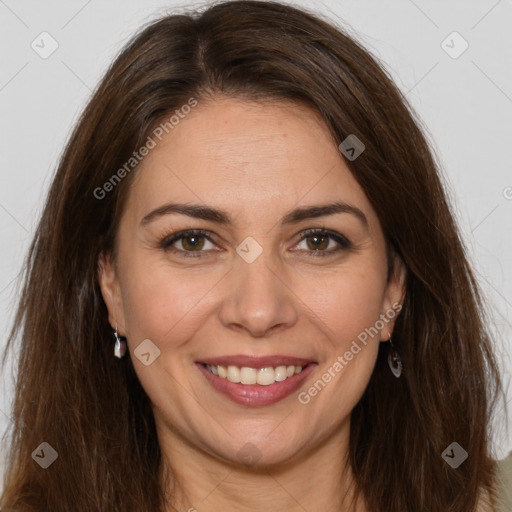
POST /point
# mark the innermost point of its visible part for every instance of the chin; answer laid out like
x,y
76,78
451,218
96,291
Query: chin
x,y
259,454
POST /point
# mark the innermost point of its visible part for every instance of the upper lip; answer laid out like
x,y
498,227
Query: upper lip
x,y
256,361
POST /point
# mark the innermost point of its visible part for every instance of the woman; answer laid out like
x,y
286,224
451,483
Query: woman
x,y
247,290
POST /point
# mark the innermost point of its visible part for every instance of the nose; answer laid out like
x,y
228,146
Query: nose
x,y
258,300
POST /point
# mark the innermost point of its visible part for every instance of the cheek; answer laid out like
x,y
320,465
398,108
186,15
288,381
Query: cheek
x,y
162,303
347,302
349,310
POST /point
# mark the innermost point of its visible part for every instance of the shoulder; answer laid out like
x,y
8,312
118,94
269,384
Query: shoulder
x,y
504,483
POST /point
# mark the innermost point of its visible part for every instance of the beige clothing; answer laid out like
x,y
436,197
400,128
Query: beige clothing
x,y
504,476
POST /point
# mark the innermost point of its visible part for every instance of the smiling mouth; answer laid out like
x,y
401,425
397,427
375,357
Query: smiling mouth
x,y
255,376
262,386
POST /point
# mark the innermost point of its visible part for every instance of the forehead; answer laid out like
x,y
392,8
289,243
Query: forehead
x,y
245,157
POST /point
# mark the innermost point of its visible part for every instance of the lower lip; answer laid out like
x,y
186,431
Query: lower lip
x,y
248,394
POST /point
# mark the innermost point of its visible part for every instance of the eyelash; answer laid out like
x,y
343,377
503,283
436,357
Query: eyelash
x,y
168,240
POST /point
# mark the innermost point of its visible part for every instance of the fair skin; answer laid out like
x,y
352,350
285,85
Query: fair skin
x,y
257,162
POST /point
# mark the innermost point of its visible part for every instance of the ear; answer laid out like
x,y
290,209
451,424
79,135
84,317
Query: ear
x,y
393,297
111,292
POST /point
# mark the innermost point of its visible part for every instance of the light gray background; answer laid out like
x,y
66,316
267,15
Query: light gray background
x,y
465,103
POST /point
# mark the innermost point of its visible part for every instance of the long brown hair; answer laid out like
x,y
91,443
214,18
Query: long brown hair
x,y
90,407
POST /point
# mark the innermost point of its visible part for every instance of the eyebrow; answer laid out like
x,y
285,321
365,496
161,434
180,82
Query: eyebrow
x,y
222,217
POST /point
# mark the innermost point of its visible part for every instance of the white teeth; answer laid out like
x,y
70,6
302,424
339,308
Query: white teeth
x,y
280,373
266,376
222,371
250,376
247,375
233,373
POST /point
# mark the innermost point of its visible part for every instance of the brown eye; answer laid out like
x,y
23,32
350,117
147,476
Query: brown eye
x,y
319,242
192,243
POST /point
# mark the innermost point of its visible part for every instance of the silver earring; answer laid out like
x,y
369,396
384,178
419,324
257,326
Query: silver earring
x,y
119,346
394,361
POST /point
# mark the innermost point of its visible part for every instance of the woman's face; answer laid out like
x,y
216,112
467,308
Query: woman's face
x,y
254,290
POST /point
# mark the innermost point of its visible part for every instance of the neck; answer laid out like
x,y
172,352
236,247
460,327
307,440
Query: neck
x,y
317,479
